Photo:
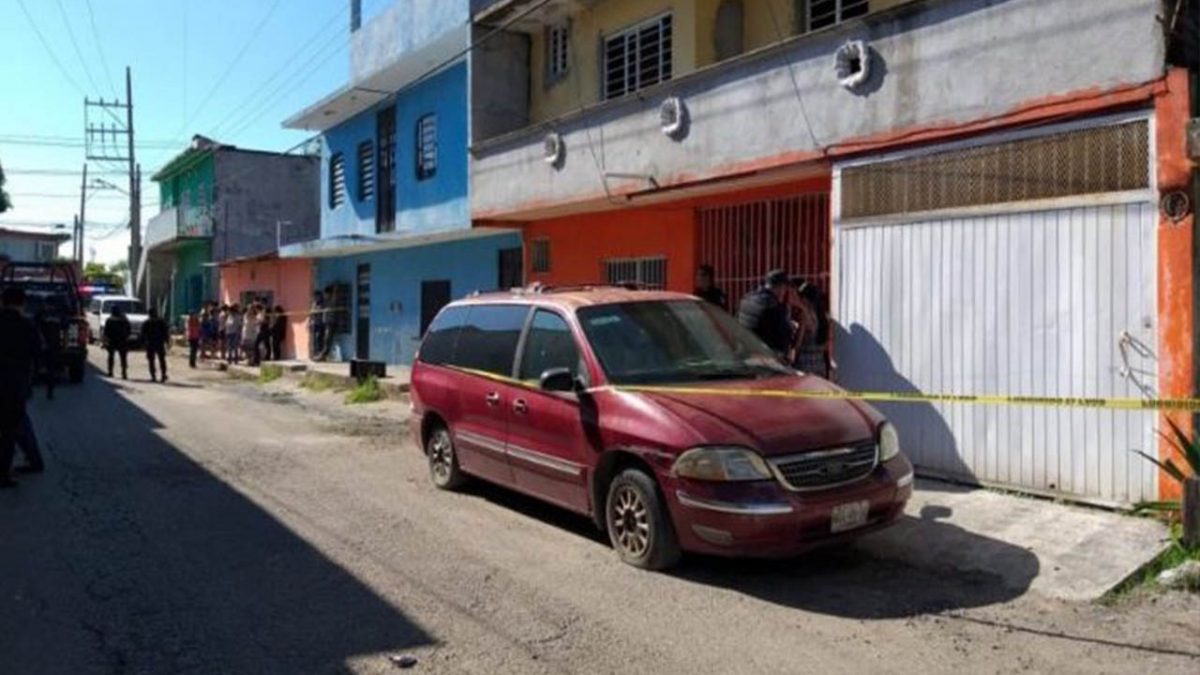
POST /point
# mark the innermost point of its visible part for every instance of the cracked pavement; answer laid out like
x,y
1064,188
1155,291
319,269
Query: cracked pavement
x,y
220,526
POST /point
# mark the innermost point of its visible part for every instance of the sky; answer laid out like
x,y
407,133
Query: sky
x,y
232,70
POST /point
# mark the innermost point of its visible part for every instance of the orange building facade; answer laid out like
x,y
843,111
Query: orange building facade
x,y
284,282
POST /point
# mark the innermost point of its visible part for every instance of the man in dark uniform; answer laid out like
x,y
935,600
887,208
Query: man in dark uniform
x,y
706,288
763,311
156,334
116,340
18,351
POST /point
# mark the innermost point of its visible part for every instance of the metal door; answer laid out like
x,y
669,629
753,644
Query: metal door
x,y
434,296
362,312
1031,303
512,273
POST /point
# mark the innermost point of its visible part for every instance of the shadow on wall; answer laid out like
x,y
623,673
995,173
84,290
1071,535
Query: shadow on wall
x,y
865,365
145,561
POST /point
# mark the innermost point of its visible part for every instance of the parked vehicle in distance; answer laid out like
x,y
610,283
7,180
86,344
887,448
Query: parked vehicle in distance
x,y
642,410
101,307
52,300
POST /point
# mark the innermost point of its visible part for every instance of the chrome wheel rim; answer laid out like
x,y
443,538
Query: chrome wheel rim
x,y
441,456
630,521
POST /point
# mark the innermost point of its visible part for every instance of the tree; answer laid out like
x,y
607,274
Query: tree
x,y
5,202
95,270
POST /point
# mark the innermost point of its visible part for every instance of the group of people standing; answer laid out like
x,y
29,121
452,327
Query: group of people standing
x,y
233,334
787,313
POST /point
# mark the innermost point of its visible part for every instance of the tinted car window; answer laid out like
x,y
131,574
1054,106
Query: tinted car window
x,y
675,341
442,336
549,344
488,339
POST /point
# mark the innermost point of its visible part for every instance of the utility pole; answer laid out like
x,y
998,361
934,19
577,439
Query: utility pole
x,y
81,224
104,145
75,248
135,191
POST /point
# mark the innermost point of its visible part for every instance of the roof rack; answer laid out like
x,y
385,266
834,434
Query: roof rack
x,y
537,287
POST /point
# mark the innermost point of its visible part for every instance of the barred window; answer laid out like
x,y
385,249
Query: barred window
x,y
337,180
824,13
650,272
539,256
638,57
427,151
366,170
557,51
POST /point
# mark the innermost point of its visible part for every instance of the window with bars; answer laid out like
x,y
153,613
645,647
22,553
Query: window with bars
x,y
337,180
638,57
650,272
824,13
558,51
366,170
539,256
426,146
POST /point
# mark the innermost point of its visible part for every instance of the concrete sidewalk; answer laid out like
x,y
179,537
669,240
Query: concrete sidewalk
x,y
1059,551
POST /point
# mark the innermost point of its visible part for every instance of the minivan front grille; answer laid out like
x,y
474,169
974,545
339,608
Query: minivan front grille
x,y
826,468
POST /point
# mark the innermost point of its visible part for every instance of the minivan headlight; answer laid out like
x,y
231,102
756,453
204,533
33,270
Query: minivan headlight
x,y
889,442
722,464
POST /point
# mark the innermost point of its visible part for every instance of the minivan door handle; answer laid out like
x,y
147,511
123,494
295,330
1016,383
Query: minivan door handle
x,y
493,399
520,406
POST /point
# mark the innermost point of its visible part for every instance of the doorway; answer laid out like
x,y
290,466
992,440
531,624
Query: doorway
x,y
362,312
434,296
512,272
385,198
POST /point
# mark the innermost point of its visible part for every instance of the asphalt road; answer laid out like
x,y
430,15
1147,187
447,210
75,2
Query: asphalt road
x,y
214,526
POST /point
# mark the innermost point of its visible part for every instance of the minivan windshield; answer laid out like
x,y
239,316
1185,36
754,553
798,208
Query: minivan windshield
x,y
127,306
658,342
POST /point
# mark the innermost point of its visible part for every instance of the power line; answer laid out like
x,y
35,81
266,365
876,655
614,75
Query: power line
x,y
100,49
46,45
75,44
58,172
232,64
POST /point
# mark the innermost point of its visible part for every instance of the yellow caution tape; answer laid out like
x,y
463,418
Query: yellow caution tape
x,y
1177,404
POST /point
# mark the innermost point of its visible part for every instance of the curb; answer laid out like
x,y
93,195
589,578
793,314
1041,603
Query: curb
x,y
298,372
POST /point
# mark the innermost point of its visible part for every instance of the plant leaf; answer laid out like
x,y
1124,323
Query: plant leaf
x,y
1190,448
1142,507
1168,466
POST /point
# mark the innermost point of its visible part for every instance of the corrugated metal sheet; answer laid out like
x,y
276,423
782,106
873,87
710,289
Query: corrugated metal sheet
x,y
1015,303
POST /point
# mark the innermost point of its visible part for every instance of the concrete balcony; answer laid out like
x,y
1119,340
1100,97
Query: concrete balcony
x,y
774,113
177,225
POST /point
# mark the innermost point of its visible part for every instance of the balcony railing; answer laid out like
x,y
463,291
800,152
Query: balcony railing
x,y
176,223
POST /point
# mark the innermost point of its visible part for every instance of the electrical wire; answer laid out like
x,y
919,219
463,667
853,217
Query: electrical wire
x,y
75,45
46,45
100,48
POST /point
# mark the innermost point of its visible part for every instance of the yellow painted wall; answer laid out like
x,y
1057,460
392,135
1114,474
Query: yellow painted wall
x,y
694,32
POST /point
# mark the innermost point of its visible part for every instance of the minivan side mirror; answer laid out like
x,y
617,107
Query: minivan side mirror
x,y
558,379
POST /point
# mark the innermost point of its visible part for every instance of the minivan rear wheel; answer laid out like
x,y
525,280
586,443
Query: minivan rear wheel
x,y
443,463
638,523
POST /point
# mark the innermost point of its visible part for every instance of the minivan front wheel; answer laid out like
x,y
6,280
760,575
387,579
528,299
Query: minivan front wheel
x,y
443,464
638,523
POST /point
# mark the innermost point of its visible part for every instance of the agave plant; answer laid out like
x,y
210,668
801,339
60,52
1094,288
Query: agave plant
x,y
1189,450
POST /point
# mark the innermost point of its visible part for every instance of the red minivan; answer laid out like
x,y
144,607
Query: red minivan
x,y
657,415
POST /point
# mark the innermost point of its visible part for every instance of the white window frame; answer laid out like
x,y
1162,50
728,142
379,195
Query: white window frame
x,y
427,146
633,80
839,10
337,180
365,156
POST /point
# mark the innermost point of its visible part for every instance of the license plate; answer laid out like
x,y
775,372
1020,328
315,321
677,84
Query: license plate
x,y
849,516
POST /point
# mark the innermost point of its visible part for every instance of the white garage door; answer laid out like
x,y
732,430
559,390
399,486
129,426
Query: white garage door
x,y
1014,302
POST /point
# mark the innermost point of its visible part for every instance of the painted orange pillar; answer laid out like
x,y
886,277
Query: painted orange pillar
x,y
1176,271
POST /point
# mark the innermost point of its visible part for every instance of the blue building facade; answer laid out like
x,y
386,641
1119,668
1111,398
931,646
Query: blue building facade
x,y
396,241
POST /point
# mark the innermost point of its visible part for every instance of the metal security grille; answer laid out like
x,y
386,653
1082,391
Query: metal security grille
x,y
1088,161
647,272
744,241
539,256
557,50
638,57
337,180
426,146
822,13
366,170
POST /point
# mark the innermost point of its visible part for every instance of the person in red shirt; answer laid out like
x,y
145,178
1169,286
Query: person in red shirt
x,y
193,336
